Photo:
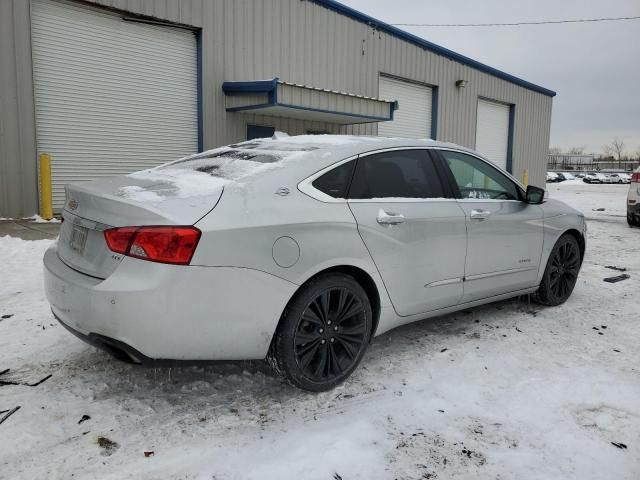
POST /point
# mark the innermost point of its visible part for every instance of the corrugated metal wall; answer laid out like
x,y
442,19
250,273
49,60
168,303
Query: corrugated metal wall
x,y
296,40
18,172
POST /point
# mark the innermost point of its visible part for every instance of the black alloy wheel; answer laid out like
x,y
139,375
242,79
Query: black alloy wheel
x,y
330,333
323,333
561,273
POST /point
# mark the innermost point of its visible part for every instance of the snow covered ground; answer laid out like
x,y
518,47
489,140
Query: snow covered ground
x,y
509,390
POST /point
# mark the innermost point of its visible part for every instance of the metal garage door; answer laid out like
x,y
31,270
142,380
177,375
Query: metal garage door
x,y
111,96
492,131
413,117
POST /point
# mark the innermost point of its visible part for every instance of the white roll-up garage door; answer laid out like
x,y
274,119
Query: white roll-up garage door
x,y
492,131
112,96
413,117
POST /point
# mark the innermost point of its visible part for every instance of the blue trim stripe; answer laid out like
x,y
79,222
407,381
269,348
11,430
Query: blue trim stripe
x,y
256,86
420,42
512,116
434,113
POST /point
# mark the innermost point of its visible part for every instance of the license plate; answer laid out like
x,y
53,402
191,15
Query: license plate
x,y
78,238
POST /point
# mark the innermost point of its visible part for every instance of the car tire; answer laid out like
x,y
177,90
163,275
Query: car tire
x,y
633,221
561,272
323,333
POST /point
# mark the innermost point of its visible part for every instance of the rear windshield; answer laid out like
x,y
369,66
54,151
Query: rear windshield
x,y
240,160
229,164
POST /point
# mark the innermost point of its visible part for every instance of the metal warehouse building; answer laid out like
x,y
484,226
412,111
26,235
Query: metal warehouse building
x,y
113,86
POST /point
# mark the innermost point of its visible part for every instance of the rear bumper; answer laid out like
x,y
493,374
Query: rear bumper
x,y
153,311
118,349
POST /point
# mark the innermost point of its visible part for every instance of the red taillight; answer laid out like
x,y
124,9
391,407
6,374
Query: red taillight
x,y
119,239
635,178
174,245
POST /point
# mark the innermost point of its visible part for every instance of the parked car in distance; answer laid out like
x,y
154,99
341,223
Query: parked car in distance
x,y
552,177
619,178
579,175
564,176
633,200
594,178
299,250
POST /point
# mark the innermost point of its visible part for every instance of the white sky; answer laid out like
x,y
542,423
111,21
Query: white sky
x,y
594,67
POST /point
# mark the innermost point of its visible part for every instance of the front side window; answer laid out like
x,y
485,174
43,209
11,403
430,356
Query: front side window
x,y
478,179
396,174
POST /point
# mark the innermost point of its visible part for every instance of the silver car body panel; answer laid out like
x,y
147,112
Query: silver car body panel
x,y
264,237
416,280
504,245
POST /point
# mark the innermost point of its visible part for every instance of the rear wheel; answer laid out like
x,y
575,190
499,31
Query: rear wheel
x,y
633,221
323,333
561,272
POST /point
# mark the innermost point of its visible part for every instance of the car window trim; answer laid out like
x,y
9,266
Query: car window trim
x,y
521,190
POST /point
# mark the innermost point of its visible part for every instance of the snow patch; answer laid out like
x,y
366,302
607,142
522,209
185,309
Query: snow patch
x,y
139,194
38,219
279,134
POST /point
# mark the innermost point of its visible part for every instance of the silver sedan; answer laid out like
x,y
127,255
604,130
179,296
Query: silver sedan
x,y
300,250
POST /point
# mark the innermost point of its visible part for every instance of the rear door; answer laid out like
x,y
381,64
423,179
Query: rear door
x,y
504,233
415,235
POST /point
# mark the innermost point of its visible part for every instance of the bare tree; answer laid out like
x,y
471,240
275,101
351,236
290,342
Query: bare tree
x,y
555,151
576,150
615,148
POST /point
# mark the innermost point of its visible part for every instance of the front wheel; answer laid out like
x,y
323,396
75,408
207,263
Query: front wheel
x,y
561,272
323,333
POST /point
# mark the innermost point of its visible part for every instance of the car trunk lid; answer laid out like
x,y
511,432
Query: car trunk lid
x,y
132,200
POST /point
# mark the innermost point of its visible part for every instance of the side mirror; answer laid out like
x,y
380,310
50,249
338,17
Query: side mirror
x,y
535,195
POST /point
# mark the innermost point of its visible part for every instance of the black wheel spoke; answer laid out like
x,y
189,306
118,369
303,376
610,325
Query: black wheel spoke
x,y
323,303
333,361
308,354
348,348
304,338
311,316
355,308
321,366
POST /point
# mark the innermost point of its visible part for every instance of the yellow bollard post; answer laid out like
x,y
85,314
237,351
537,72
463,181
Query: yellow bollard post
x,y
525,178
46,202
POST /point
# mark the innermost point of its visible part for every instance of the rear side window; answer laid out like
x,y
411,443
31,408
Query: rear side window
x,y
397,174
335,183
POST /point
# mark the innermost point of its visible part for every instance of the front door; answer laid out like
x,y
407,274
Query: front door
x,y
416,237
505,234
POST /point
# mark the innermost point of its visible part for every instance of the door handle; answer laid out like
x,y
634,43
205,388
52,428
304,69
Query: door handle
x,y
480,214
388,218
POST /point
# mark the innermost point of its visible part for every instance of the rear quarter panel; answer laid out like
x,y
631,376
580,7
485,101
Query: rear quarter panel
x,y
243,229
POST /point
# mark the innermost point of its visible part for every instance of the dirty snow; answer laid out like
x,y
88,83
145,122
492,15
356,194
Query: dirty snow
x,y
509,390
